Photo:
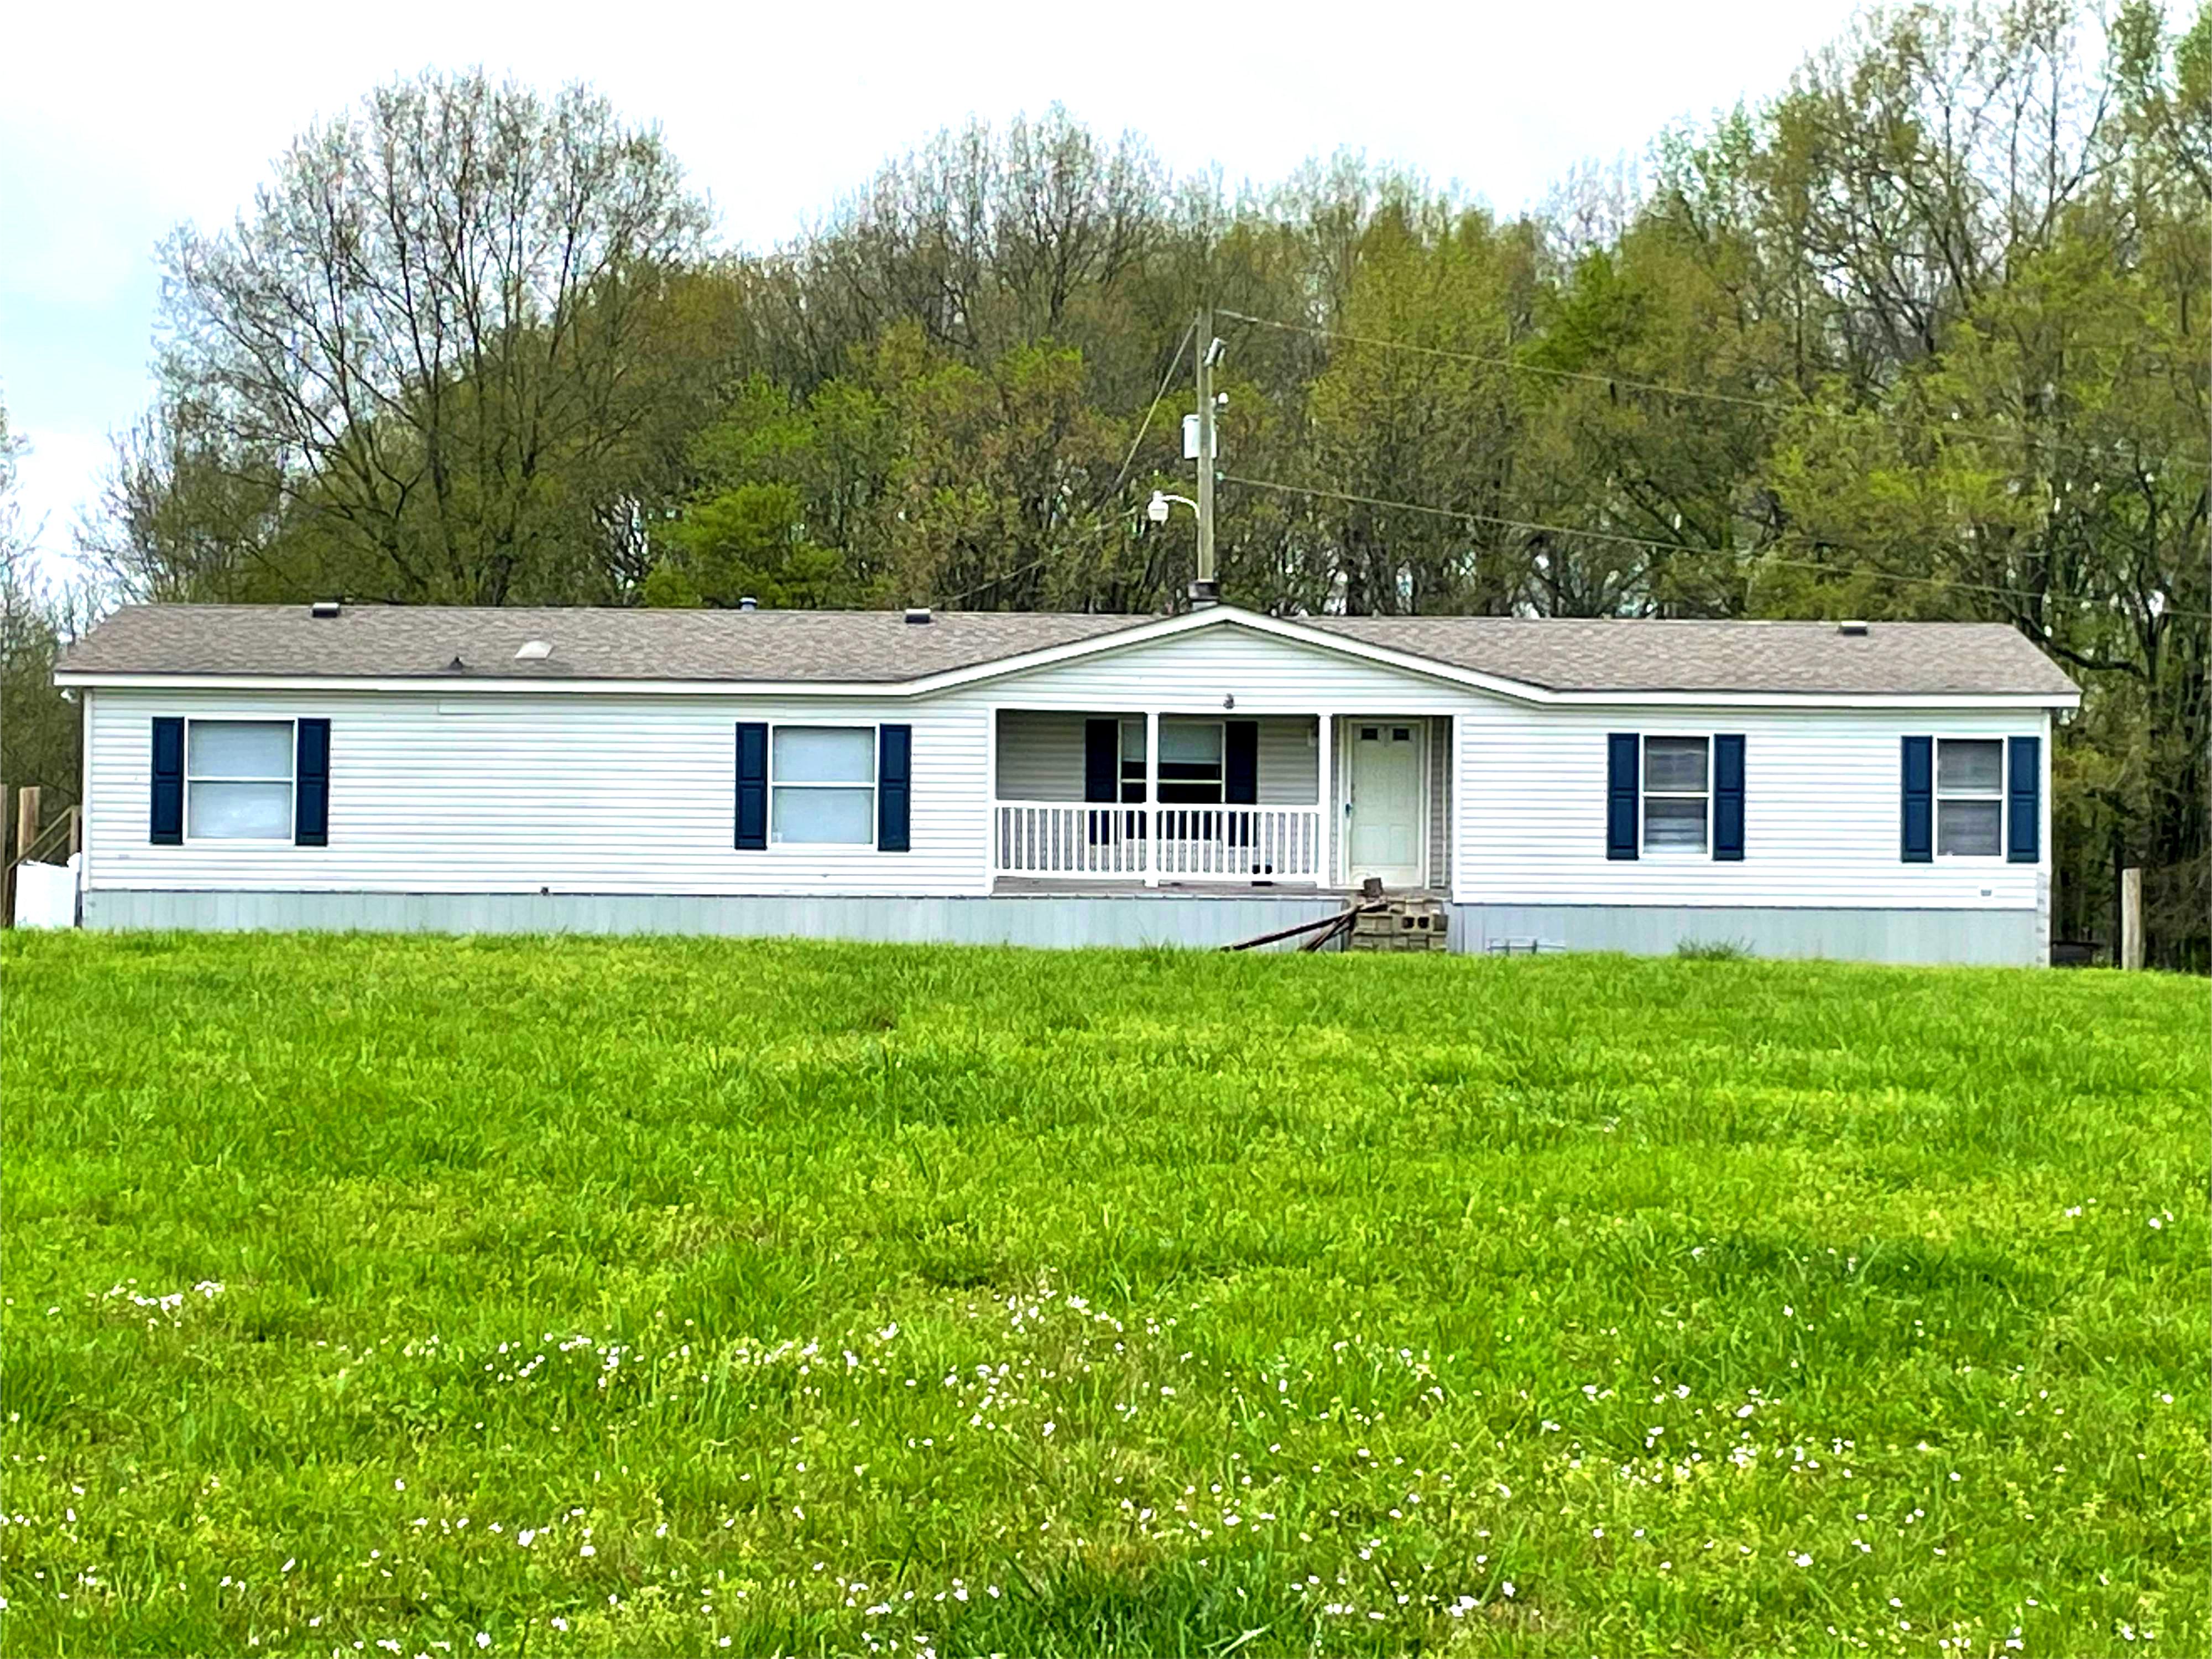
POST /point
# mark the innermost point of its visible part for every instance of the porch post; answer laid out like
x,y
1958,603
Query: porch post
x,y
1326,853
1151,848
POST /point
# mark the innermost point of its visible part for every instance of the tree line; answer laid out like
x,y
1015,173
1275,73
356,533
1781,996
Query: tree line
x,y
1923,336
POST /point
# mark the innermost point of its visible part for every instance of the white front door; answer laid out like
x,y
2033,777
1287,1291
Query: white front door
x,y
1385,817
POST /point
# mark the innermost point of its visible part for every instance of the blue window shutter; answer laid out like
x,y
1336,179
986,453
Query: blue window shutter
x,y
1102,776
894,787
169,827
2024,801
1623,752
1727,797
1239,769
1101,760
311,785
752,786
1919,801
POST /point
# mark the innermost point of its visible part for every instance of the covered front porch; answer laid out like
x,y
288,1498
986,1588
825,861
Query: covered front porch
x,y
1166,798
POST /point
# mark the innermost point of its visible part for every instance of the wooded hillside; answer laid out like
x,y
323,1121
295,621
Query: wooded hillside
x,y
1925,335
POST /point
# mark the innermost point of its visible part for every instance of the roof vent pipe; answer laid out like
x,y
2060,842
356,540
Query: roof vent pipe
x,y
1855,629
323,608
749,602
917,614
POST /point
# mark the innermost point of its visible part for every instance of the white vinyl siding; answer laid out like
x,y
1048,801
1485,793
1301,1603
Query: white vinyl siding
x,y
1440,773
442,791
1041,754
1823,805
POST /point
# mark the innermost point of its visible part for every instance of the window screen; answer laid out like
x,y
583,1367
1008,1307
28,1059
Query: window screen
x,y
238,776
1676,791
1969,797
821,781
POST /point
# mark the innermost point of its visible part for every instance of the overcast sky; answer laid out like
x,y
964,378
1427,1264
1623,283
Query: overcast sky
x,y
118,121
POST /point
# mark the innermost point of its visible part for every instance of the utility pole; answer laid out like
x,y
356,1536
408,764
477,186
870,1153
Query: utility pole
x,y
1207,590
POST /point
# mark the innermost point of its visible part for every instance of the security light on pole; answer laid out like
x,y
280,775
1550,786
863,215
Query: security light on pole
x,y
1157,508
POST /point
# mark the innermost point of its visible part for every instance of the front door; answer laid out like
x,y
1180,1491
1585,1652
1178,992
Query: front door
x,y
1383,797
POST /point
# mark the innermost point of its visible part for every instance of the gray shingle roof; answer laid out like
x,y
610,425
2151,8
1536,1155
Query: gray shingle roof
x,y
1640,655
393,642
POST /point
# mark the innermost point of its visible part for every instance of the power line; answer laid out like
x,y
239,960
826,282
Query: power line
x,y
1145,425
1625,539
1598,378
1119,478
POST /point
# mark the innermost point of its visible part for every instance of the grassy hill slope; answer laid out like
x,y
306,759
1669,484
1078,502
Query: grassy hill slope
x,y
586,1297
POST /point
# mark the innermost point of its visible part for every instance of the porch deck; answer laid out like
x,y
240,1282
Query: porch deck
x,y
1122,801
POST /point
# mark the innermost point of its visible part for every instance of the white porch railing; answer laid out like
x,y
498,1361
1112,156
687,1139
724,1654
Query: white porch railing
x,y
1204,843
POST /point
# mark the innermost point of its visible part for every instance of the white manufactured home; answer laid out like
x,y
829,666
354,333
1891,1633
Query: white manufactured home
x,y
1877,791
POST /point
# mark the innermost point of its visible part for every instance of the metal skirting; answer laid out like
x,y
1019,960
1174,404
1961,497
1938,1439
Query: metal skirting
x,y
1054,920
1072,920
2000,938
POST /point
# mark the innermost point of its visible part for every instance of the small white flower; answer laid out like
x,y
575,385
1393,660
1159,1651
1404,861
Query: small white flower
x,y
1506,1588
484,1640
1802,1560
588,1550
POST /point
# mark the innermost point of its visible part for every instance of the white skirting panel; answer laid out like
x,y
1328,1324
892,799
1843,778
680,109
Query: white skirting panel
x,y
1072,920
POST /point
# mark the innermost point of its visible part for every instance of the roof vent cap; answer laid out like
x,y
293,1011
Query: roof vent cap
x,y
917,614
324,608
1854,628
749,602
533,651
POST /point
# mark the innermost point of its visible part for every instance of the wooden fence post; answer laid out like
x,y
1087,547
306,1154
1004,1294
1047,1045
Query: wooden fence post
x,y
2131,931
27,831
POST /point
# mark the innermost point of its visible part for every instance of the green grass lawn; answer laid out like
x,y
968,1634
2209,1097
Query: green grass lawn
x,y
430,1297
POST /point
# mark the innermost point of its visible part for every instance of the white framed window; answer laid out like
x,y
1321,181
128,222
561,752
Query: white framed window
x,y
238,780
1677,803
821,786
1132,761
1969,797
1191,763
